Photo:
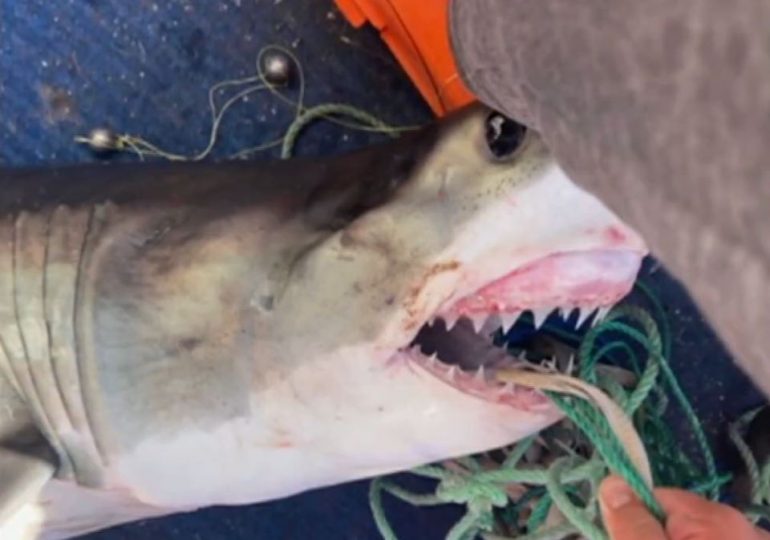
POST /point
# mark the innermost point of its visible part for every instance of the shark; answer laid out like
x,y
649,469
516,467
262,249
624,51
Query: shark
x,y
180,335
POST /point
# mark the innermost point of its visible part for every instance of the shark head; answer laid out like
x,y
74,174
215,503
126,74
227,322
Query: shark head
x,y
387,322
373,346
361,342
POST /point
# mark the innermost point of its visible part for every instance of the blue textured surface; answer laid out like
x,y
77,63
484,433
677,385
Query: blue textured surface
x,y
144,67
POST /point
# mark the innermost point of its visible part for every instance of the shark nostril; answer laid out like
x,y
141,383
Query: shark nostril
x,y
503,135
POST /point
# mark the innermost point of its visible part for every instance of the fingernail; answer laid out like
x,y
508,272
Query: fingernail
x,y
615,493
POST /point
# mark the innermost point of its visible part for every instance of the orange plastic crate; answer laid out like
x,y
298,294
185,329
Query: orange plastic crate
x,y
417,33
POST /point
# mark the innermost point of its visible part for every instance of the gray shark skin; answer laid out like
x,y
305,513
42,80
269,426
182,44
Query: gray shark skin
x,y
182,335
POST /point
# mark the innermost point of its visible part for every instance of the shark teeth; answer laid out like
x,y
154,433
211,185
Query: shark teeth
x,y
433,360
450,321
584,315
571,367
505,320
480,375
508,320
452,373
601,314
478,322
539,315
507,389
549,364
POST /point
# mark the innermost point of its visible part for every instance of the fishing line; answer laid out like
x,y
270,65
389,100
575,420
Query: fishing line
x,y
342,114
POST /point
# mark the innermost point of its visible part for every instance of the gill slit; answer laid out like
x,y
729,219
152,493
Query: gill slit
x,y
46,426
85,249
7,369
12,366
67,411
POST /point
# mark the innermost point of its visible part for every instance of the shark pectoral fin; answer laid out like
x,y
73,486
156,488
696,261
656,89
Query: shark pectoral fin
x,y
24,471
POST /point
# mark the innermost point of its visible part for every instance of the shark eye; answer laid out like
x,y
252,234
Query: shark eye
x,y
503,135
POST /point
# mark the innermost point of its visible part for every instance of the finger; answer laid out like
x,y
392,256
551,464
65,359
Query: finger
x,y
691,516
674,501
624,515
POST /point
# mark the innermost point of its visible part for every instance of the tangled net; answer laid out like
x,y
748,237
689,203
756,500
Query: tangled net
x,y
545,486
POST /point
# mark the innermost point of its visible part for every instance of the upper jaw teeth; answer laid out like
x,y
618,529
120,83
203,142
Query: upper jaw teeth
x,y
489,322
508,320
450,321
602,312
539,315
583,316
478,321
481,377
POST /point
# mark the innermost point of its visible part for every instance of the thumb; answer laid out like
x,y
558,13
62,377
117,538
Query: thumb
x,y
624,515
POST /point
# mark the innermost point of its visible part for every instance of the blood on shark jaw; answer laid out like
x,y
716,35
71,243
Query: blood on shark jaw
x,y
456,347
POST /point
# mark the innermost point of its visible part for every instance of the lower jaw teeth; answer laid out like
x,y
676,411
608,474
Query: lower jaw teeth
x,y
452,373
508,388
480,375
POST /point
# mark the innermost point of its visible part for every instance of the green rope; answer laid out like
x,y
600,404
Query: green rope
x,y
756,512
595,427
467,527
624,332
575,516
758,476
654,346
697,428
539,477
713,483
415,499
378,512
518,452
752,468
615,390
554,533
432,471
326,110
529,496
647,382
660,316
764,480
539,513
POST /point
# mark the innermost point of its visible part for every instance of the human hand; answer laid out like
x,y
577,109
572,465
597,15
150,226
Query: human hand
x,y
689,516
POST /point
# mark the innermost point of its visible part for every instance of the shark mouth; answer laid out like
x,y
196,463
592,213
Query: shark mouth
x,y
456,345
